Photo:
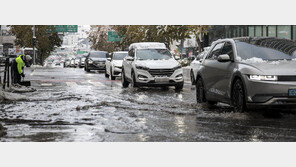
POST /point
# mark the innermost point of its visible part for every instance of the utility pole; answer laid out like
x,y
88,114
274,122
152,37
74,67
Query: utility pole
x,y
34,43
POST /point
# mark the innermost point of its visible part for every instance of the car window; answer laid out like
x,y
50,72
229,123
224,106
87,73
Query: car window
x,y
216,51
267,49
227,49
119,56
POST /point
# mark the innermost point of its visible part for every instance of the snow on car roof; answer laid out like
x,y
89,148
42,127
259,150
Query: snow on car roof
x,y
147,45
121,52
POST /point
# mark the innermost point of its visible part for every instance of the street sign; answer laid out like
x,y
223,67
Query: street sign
x,y
81,52
114,37
65,28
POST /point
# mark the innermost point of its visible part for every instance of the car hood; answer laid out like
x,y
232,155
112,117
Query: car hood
x,y
283,67
117,63
158,64
97,59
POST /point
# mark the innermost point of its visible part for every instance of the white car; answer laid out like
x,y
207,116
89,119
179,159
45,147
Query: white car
x,y
151,64
114,64
196,64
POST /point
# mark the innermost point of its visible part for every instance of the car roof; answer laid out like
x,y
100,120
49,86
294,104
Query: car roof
x,y
147,45
121,52
98,52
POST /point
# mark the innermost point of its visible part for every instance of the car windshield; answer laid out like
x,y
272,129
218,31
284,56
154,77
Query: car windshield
x,y
267,50
153,54
98,54
119,56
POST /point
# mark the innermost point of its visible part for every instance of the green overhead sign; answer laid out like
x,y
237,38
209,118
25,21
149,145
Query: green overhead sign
x,y
114,37
65,28
80,52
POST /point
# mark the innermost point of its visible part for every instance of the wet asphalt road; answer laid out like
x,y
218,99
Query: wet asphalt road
x,y
73,105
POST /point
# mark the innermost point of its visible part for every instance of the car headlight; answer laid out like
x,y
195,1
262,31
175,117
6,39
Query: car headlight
x,y
263,77
178,67
90,61
142,67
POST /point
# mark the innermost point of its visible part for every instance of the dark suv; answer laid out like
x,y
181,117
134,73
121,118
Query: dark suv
x,y
95,60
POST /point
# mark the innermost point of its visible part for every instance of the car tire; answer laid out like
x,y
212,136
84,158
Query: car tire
x,y
238,97
112,77
133,83
125,83
106,75
179,86
192,78
200,93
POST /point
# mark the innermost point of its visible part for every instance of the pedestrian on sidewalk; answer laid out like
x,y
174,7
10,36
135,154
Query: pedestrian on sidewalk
x,y
17,68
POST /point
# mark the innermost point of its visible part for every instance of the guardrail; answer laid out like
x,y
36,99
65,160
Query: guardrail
x,y
6,73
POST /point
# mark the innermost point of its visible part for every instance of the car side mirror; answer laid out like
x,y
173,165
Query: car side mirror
x,y
109,59
129,58
224,58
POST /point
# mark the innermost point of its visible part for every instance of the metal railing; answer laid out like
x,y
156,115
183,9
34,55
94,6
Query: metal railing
x,y
6,73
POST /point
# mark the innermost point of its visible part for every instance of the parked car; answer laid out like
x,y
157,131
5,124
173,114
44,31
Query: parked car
x,y
67,63
196,64
82,60
114,64
248,72
151,64
95,60
77,60
72,63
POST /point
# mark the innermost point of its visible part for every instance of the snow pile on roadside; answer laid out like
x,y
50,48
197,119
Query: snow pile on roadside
x,y
11,96
21,89
36,66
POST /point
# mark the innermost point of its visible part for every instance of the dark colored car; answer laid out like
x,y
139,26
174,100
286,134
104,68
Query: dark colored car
x,y
96,60
2,60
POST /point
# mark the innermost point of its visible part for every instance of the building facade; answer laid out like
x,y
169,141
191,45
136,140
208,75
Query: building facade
x,y
279,31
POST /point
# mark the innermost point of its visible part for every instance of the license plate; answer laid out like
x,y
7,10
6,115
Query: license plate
x,y
161,79
292,92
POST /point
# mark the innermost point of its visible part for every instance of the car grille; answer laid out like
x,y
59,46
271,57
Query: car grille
x,y
287,78
99,62
161,72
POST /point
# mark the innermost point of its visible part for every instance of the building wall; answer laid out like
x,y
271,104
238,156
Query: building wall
x,y
279,31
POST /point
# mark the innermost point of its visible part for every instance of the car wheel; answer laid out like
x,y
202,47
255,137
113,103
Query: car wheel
x,y
192,78
200,93
238,97
125,83
179,86
106,75
133,83
112,77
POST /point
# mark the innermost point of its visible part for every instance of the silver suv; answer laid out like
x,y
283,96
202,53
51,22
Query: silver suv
x,y
248,72
151,64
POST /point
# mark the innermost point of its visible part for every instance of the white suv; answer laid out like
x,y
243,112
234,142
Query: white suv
x,y
151,64
114,64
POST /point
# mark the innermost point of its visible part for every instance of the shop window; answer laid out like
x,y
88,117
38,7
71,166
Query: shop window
x,y
272,31
258,31
251,31
264,31
294,33
284,32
